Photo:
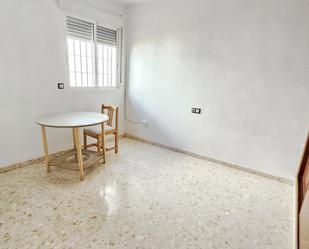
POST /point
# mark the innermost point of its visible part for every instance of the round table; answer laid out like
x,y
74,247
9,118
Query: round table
x,y
73,120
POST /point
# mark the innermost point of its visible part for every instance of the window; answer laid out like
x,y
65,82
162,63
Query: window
x,y
92,54
106,56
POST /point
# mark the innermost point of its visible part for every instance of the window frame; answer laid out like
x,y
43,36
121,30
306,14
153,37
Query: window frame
x,y
119,50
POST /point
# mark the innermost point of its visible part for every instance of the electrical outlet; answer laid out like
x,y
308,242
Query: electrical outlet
x,y
196,110
61,86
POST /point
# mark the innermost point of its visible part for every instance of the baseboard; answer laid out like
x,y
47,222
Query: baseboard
x,y
30,162
37,160
231,165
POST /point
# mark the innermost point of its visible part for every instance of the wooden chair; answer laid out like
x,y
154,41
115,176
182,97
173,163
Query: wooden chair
x,y
95,131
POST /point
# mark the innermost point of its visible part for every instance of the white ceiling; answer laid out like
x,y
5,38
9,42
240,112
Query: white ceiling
x,y
127,2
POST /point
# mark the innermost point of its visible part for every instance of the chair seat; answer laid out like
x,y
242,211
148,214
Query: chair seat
x,y
96,130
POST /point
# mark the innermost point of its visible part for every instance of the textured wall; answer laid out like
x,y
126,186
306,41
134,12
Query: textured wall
x,y
245,63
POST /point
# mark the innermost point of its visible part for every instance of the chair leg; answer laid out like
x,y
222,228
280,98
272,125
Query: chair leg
x,y
116,142
98,144
85,141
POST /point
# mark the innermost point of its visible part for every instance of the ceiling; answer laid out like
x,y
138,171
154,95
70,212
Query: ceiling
x,y
127,2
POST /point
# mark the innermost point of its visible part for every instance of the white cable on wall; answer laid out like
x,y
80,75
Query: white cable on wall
x,y
125,85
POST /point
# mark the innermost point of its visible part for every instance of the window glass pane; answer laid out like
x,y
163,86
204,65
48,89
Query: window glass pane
x,y
90,79
99,52
84,64
72,79
77,47
109,79
110,61
78,79
100,80
89,64
83,48
107,64
100,67
89,48
105,67
84,79
71,63
113,79
105,48
114,67
78,64
105,79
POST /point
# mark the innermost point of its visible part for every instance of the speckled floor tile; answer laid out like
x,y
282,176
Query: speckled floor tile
x,y
145,197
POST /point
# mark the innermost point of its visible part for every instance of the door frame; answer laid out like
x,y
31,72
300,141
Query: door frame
x,y
298,188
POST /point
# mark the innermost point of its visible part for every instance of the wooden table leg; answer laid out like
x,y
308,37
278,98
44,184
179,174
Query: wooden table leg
x,y
44,139
74,145
103,143
79,152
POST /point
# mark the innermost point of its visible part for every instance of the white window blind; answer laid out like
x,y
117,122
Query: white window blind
x,y
79,29
92,62
106,36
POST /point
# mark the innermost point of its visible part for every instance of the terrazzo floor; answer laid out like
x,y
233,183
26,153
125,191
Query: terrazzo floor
x,y
145,197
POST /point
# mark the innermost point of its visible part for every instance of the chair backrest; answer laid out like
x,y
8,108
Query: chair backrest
x,y
109,110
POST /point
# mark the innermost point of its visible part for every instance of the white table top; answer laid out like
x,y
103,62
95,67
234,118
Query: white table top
x,y
72,119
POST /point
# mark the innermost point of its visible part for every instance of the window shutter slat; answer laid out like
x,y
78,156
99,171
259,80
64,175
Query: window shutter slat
x,y
106,36
79,28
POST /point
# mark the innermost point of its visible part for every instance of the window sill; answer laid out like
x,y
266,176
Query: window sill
x,y
94,88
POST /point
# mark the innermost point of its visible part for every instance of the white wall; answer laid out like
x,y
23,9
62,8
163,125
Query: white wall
x,y
245,63
32,61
